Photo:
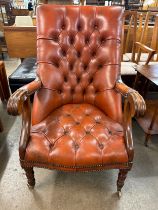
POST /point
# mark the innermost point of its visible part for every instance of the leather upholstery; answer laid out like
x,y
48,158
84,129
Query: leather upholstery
x,y
77,113
78,55
77,136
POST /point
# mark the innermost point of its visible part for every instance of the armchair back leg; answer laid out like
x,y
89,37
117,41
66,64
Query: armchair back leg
x,y
30,177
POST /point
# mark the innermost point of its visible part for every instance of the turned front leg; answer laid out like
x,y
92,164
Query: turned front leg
x,y
30,177
121,178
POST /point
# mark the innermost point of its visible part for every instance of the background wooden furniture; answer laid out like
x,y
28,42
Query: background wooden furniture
x,y
149,122
142,51
21,41
6,12
4,88
147,34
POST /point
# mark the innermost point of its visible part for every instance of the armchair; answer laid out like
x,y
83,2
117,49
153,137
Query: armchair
x,y
77,123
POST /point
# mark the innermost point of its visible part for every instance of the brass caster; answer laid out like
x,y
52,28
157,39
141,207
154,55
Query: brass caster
x,y
119,194
30,187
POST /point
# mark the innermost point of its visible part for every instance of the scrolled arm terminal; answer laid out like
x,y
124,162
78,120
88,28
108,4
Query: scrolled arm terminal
x,y
16,100
136,101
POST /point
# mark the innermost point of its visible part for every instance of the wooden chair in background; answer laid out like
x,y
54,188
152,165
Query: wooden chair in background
x,y
148,59
137,33
146,75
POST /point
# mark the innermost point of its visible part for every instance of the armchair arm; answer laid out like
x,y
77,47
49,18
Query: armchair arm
x,y
147,49
136,101
16,100
134,104
18,103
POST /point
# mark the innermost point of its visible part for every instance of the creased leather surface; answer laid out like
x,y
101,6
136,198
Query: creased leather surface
x,y
78,55
77,135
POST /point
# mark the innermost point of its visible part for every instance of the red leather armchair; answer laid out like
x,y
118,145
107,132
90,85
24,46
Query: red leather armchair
x,y
77,123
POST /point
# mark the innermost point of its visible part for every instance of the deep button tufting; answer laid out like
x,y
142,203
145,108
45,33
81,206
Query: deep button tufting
x,y
100,66
78,54
63,52
93,53
77,123
96,91
64,134
76,146
95,25
65,79
98,121
110,132
102,40
72,39
91,80
79,27
55,37
59,91
87,132
56,64
71,66
63,26
78,79
101,146
72,91
85,66
84,91
87,40
51,146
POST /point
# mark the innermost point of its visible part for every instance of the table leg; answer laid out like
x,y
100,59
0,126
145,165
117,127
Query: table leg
x,y
148,135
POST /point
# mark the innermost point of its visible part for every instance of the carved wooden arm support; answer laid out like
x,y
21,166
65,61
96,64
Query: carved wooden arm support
x,y
135,100
16,100
19,103
146,49
134,105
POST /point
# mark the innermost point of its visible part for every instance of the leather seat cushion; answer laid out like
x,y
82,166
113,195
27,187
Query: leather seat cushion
x,y
77,135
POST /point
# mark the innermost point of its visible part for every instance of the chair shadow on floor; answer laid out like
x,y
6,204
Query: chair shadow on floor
x,y
145,160
66,190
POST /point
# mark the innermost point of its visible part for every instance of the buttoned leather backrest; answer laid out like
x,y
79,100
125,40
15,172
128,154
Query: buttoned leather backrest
x,y
78,55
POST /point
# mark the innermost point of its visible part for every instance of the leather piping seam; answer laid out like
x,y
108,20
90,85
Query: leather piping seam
x,y
108,64
49,39
74,170
77,167
57,90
